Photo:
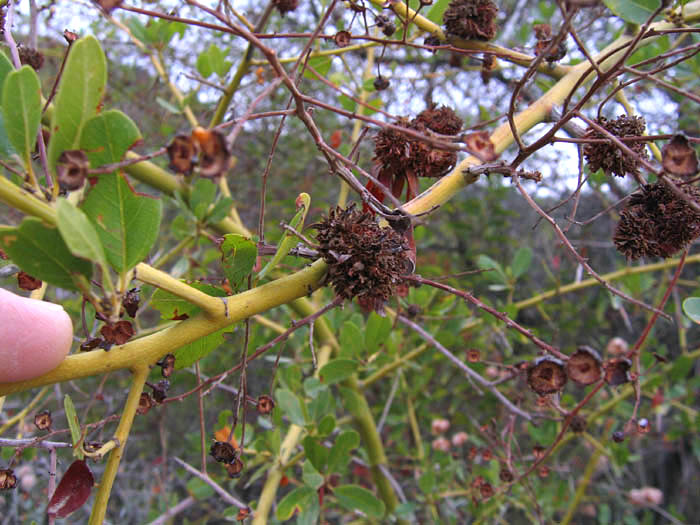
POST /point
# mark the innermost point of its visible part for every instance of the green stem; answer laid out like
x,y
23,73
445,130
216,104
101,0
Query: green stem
x,y
99,508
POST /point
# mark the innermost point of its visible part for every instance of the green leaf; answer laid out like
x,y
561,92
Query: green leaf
x,y
339,456
521,261
327,425
211,61
199,489
321,64
436,12
311,476
315,452
202,196
73,424
127,223
299,498
691,307
376,331
354,497
680,369
220,210
484,262
79,93
5,69
322,404
192,352
6,149
635,11
238,259
374,103
79,233
338,370
41,252
21,110
289,404
108,136
288,241
427,482
351,339
168,106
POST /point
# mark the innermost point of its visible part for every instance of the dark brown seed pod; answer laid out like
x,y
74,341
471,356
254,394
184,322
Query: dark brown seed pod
x,y
265,404
342,38
389,29
578,424
70,36
27,282
8,480
486,490
473,355
43,420
584,366
181,152
285,6
618,436
381,83
617,371
160,390
364,260
131,302
30,57
117,333
607,155
222,451
505,475
440,119
167,365
235,469
214,157
657,223
471,19
108,5
538,452
413,311
71,169
679,157
145,403
546,375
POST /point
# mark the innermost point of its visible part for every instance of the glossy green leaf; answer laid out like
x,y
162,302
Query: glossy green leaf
x,y
315,452
338,370
288,240
326,425
310,476
73,424
339,456
298,499
322,404
437,10
635,11
79,233
239,254
351,340
376,331
126,222
691,307
5,69
495,270
41,252
199,489
354,497
290,406
21,110
201,197
6,148
211,61
521,261
220,210
190,353
108,136
79,93
322,65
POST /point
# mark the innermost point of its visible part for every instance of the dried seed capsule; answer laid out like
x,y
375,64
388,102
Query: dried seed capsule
x,y
160,390
181,152
222,451
584,366
679,157
578,424
381,83
145,403
117,333
473,355
31,57
71,169
42,420
618,436
242,514
90,344
342,38
546,375
538,451
167,365
214,155
471,19
617,371
486,490
8,480
506,476
607,155
131,302
265,404
413,310
235,469
27,282
285,6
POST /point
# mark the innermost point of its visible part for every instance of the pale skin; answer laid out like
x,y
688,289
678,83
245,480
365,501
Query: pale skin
x,y
35,336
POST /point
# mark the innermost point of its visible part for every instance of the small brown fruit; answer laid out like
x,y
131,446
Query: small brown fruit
x,y
71,169
31,57
617,371
381,83
131,302
679,157
235,469
471,19
578,424
265,404
145,403
167,365
181,152
8,480
506,476
546,375
584,366
486,490
342,38
42,420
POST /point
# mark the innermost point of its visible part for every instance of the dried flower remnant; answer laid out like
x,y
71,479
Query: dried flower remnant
x,y
235,468
479,143
381,83
8,480
117,333
181,152
222,451
471,19
131,302
607,155
657,223
30,57
679,157
71,169
214,157
546,375
27,282
486,490
578,424
473,355
342,38
145,403
543,33
505,475
160,390
385,24
167,365
584,366
488,64
364,260
617,371
265,404
43,420
109,5
285,6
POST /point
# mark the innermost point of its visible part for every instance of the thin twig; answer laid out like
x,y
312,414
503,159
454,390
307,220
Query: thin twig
x,y
213,484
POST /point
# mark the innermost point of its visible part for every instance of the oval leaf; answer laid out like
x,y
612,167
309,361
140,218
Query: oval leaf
x,y
354,497
78,95
338,370
635,11
41,252
238,258
290,406
107,137
21,109
73,490
691,307
79,233
299,498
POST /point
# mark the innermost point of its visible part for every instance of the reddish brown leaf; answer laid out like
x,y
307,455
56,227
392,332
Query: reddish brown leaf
x,y
73,490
